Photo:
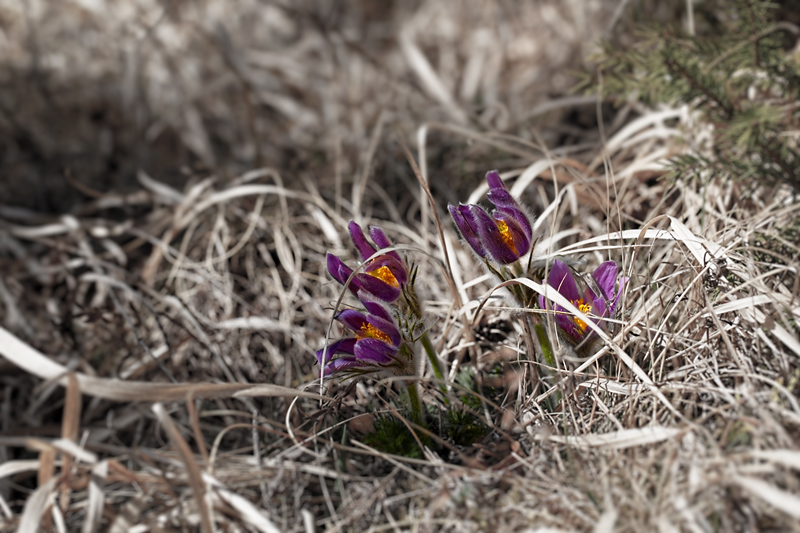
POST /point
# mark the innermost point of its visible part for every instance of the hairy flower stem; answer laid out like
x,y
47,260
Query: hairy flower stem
x,y
516,269
544,342
416,404
434,360
549,356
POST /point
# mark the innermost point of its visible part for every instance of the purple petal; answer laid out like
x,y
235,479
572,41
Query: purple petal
x,y
612,305
464,222
561,278
357,234
506,204
491,237
387,328
380,238
502,199
599,309
518,215
341,273
342,363
373,351
395,266
340,346
337,269
374,306
494,180
566,322
606,277
521,239
352,319
376,287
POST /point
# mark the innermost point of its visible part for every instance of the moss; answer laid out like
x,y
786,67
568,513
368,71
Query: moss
x,y
392,436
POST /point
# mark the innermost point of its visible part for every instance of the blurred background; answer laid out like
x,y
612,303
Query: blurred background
x,y
93,91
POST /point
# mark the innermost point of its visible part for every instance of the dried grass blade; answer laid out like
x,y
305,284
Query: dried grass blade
x,y
788,458
430,80
617,440
253,322
164,192
702,249
742,303
35,507
193,471
94,509
607,520
37,364
783,501
67,447
246,510
12,468
70,425
47,461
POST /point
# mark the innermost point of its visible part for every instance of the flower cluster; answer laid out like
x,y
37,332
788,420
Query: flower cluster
x,y
505,235
384,335
598,304
383,280
376,346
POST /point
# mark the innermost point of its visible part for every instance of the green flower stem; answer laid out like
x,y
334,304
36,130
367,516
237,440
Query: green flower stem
x,y
544,342
516,269
434,360
549,357
416,404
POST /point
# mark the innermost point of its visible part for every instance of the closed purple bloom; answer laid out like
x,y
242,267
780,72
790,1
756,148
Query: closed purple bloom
x,y
495,235
380,282
383,275
598,306
465,222
374,347
505,235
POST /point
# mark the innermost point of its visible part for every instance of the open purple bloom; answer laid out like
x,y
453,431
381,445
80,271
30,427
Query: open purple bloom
x,y
599,306
375,346
505,235
383,276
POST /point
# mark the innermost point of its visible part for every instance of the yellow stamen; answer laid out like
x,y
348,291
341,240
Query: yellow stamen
x,y
506,234
371,332
384,274
584,308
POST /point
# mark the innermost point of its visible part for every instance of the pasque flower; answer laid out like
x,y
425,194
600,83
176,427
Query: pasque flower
x,y
505,235
383,276
599,304
377,345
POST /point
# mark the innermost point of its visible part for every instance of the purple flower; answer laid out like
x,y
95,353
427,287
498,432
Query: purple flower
x,y
599,306
503,237
383,276
375,347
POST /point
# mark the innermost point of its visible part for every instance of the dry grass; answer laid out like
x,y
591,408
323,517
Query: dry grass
x,y
179,314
